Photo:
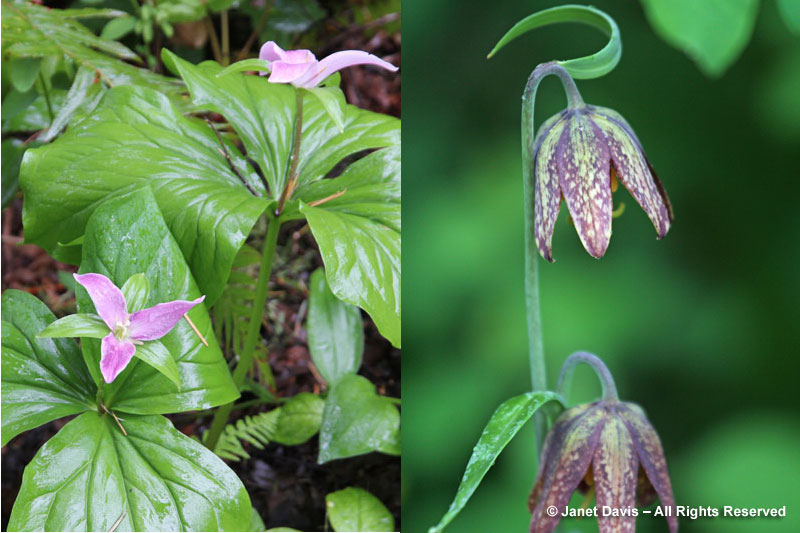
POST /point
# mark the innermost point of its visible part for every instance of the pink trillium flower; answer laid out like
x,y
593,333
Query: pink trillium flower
x,y
128,329
301,68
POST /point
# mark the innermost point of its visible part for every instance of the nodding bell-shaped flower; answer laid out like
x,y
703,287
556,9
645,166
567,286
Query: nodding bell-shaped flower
x,y
581,154
301,68
607,446
128,329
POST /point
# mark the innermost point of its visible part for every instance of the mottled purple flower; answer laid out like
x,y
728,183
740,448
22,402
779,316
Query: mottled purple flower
x,y
579,155
609,446
128,329
301,68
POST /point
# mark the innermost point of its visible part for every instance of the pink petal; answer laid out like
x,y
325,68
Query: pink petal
x,y
115,356
155,322
338,61
107,298
271,52
283,72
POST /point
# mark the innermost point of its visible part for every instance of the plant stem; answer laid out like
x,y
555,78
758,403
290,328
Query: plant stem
x,y
212,36
291,183
253,329
47,97
599,367
226,45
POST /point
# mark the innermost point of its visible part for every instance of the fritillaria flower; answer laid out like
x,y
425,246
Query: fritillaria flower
x,y
127,330
581,154
608,446
301,68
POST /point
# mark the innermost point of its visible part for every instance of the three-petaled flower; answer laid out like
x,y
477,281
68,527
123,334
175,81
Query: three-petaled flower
x,y
580,154
301,68
127,330
609,446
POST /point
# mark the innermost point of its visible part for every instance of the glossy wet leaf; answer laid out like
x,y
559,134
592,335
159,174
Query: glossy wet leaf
x,y
125,236
263,114
77,325
356,420
504,424
358,233
355,509
713,32
137,132
42,379
136,291
332,99
335,331
89,474
300,419
156,355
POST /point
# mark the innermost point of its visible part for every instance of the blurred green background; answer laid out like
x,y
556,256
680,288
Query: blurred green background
x,y
701,329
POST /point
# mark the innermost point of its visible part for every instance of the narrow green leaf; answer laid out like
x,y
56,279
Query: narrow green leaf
x,y
504,424
335,331
356,420
24,72
125,236
713,32
118,28
90,475
332,99
77,325
354,509
42,379
156,355
245,65
84,91
300,419
136,292
588,67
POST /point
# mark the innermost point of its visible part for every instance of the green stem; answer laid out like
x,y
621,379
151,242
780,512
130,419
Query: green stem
x,y
226,45
212,37
253,329
47,98
291,183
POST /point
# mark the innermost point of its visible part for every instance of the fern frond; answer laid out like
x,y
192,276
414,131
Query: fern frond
x,y
256,430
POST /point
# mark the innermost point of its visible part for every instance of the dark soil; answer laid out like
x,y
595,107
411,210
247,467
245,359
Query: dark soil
x,y
286,485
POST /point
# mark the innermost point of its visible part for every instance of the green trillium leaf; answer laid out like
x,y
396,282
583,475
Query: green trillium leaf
x,y
257,65
332,99
156,355
42,379
137,132
358,232
299,420
136,292
335,331
127,236
78,325
90,475
354,509
356,420
506,421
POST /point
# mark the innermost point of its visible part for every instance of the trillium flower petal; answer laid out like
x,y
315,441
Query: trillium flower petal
x,y
270,51
339,60
284,72
569,463
155,322
115,356
547,194
615,467
633,170
651,456
107,298
584,174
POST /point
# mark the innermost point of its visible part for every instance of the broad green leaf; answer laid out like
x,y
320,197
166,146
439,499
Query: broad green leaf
x,y
358,233
136,291
155,478
335,331
139,134
24,72
126,236
504,424
35,31
256,523
263,114
332,99
42,379
12,152
300,419
356,420
156,355
117,28
354,509
85,92
790,11
78,325
712,32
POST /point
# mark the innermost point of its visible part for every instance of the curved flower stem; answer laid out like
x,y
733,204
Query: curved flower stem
x,y
253,329
599,367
